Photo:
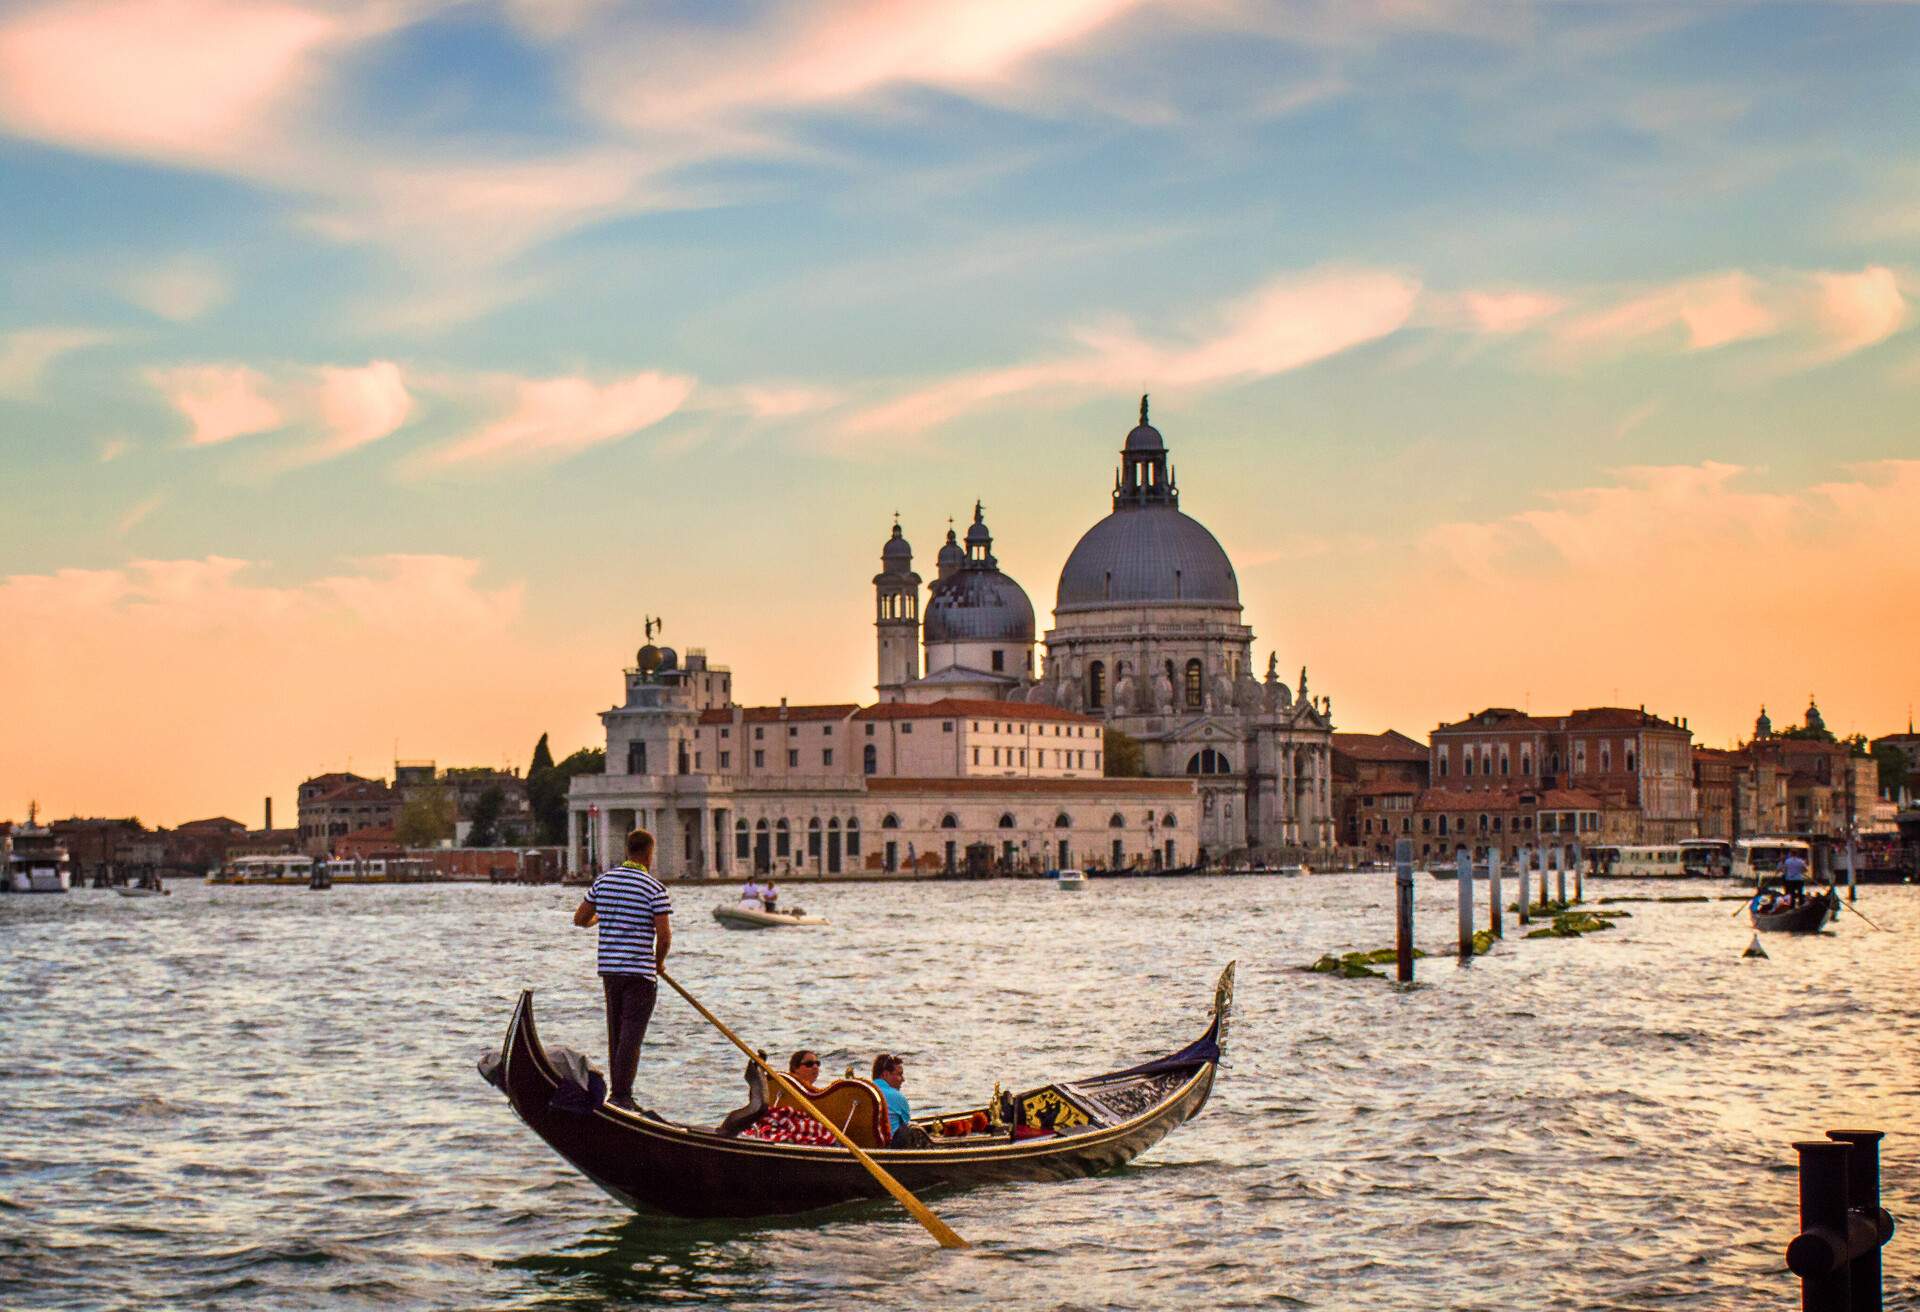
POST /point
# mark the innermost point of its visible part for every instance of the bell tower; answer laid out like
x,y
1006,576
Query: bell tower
x,y
896,592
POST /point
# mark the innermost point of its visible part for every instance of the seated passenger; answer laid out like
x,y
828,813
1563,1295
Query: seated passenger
x,y
789,1124
751,893
888,1073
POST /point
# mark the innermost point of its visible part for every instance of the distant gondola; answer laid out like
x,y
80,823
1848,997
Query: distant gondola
x,y
1806,918
1057,1131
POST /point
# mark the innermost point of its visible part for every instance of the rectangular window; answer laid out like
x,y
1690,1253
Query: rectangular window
x,y
996,756
999,660
726,760
1096,760
1023,756
827,730
793,731
793,760
826,756
976,726
976,756
759,759
696,759
758,733
906,726
946,726
869,729
726,733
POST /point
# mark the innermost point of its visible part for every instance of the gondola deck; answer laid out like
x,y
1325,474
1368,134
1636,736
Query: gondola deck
x,y
1084,1126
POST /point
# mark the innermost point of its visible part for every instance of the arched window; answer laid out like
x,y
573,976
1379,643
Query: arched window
x,y
1196,685
853,837
1526,763
891,822
1118,822
761,826
1167,821
834,823
870,759
1063,821
782,839
1208,761
742,840
1006,821
949,822
1097,685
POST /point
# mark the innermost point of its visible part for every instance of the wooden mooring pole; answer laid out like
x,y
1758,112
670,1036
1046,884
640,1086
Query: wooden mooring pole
x,y
1579,882
1842,1225
1853,859
1463,862
1526,874
1560,873
1403,910
1496,909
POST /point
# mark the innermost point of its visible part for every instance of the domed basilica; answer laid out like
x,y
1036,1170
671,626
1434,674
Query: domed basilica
x,y
1147,636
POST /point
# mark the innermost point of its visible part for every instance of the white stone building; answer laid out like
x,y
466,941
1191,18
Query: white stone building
x,y
972,743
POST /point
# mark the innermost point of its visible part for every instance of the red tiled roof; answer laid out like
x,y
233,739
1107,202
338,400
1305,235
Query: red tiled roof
x,y
1504,717
1388,746
333,779
1563,799
1616,717
217,822
1039,787
776,714
955,707
363,791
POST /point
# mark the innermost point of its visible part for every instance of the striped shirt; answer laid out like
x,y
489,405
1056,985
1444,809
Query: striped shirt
x,y
627,898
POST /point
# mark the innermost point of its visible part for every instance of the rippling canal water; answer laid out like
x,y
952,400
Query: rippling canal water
x,y
259,1098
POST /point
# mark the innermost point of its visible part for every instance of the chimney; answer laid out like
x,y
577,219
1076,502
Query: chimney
x,y
269,824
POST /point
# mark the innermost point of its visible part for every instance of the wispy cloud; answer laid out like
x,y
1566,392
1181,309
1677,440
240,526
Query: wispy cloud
x,y
137,513
27,354
219,402
180,290
1290,322
547,419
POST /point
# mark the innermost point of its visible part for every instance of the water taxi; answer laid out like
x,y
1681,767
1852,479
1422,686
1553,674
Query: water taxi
x,y
1692,858
1756,858
280,868
1072,881
35,861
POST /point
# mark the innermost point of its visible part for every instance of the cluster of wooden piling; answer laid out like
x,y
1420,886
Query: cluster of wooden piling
x,y
1550,863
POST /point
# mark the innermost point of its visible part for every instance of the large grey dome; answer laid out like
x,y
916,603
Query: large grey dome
x,y
978,605
1147,554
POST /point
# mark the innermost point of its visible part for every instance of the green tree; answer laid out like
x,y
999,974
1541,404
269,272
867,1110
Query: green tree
x,y
427,818
484,827
546,796
1125,758
1802,732
588,760
1894,772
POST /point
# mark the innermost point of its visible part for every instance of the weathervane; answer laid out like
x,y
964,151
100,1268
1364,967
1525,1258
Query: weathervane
x,y
653,626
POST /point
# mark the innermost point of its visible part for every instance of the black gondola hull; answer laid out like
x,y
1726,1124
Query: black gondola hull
x,y
1804,919
654,1166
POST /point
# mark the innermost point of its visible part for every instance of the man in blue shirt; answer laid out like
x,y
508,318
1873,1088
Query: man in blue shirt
x,y
888,1072
1793,876
634,914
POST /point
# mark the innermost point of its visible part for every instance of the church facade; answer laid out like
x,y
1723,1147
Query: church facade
x,y
1148,639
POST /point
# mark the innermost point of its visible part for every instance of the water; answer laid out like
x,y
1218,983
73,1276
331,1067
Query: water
x,y
262,1098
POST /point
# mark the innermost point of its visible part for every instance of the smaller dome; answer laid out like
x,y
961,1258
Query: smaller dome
x,y
977,531
669,659
897,549
1144,437
951,553
647,659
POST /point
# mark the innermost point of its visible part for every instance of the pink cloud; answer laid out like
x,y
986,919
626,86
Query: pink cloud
x,y
1509,311
1856,310
552,418
220,402
1709,312
1289,323
27,354
358,406
183,79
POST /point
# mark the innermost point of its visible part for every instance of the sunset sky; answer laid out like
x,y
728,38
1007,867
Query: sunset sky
x,y
368,372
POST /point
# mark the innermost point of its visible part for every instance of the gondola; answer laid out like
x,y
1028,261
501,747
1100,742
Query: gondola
x,y
1807,918
1056,1131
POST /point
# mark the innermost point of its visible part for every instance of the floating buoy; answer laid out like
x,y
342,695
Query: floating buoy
x,y
1754,949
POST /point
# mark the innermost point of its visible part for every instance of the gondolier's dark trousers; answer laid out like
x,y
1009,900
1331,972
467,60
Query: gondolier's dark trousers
x,y
629,1008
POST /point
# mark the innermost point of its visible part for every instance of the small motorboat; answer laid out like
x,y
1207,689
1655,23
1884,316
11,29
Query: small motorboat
x,y
751,915
1772,913
1058,1131
141,890
1072,881
1292,871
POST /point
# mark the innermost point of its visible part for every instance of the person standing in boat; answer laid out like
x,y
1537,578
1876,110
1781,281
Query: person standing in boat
x,y
1793,877
635,917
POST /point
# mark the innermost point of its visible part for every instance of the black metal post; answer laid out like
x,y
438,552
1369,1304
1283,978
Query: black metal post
x,y
1863,1200
1816,1254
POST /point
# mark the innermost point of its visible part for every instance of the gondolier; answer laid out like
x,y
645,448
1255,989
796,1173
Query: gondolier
x,y
634,915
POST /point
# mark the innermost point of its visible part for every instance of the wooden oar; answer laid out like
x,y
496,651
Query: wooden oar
x,y
939,1229
1856,911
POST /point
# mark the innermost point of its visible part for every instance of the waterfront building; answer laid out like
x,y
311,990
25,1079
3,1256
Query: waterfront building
x,y
1377,777
1148,640
1596,776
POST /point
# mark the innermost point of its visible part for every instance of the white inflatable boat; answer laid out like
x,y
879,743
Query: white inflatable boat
x,y
751,915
